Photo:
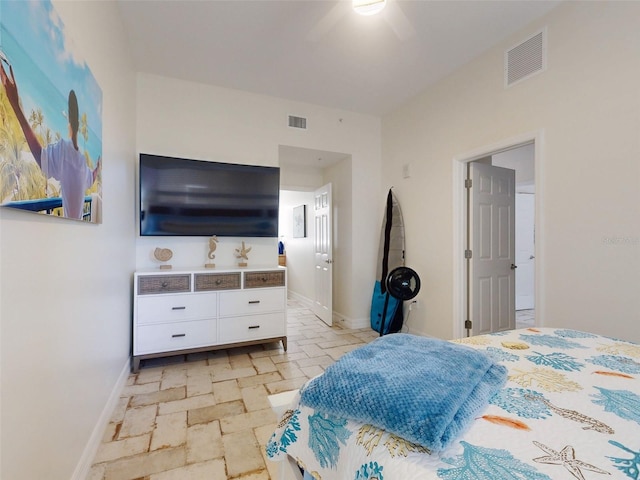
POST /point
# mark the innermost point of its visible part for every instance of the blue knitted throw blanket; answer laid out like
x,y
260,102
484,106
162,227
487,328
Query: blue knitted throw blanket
x,y
422,389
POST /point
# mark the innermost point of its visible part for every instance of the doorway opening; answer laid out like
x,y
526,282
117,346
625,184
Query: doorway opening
x,y
522,155
310,273
521,159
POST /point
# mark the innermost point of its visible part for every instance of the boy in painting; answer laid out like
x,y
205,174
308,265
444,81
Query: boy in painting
x,y
61,160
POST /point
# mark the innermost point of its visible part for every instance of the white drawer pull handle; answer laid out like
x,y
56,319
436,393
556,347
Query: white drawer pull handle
x,y
254,301
178,308
177,335
253,327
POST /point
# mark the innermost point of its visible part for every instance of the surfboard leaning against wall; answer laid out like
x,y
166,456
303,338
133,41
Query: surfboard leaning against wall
x,y
390,256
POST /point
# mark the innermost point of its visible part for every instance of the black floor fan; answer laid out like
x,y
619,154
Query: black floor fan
x,y
402,283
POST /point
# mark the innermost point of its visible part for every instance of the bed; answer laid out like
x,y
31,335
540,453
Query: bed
x,y
570,408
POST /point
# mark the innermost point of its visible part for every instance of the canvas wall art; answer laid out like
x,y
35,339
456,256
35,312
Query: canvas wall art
x,y
50,116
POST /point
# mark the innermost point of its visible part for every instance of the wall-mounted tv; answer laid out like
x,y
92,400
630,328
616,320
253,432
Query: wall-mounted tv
x,y
181,197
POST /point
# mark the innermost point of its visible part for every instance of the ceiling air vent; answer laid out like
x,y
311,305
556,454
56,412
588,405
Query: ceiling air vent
x,y
526,59
297,122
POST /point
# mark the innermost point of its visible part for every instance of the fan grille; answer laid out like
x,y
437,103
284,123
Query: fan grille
x,y
403,283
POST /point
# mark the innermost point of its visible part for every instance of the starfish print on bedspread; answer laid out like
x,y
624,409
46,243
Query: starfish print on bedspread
x,y
567,458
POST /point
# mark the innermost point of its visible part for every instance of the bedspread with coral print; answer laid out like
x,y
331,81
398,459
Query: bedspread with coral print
x,y
569,410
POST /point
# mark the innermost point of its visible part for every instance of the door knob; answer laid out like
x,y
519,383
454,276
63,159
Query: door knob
x,y
531,257
328,261
513,267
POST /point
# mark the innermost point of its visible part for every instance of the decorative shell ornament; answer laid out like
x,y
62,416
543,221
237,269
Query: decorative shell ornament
x,y
163,255
241,253
212,248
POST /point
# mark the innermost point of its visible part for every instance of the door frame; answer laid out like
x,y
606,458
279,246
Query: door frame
x,y
460,221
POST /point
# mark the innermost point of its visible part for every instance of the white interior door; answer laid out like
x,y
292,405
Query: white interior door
x,y
492,241
322,303
525,251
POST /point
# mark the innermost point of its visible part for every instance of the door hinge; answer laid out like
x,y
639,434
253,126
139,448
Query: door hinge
x,y
467,254
467,324
468,183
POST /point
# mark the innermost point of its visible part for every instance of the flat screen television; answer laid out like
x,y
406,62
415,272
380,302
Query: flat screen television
x,y
181,197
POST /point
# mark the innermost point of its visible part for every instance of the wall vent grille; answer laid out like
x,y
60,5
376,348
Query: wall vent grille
x,y
526,59
297,122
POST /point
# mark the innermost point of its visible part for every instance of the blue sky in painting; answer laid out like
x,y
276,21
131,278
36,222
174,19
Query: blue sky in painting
x,y
46,65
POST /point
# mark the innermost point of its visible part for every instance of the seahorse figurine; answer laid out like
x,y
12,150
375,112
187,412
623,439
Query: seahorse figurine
x,y
212,248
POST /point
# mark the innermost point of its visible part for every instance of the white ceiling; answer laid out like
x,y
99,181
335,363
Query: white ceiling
x,y
319,51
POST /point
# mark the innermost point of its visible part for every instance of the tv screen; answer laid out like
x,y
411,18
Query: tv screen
x,y
199,198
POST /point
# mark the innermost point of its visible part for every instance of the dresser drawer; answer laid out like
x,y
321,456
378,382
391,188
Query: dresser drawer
x,y
216,281
273,278
173,308
174,336
154,284
253,327
255,301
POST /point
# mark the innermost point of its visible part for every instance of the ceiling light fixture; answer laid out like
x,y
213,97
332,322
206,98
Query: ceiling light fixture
x,y
368,7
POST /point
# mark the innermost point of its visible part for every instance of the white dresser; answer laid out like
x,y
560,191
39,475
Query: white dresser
x,y
186,311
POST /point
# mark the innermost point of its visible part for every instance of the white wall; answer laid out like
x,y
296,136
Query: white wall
x,y
300,177
299,251
191,120
66,286
587,108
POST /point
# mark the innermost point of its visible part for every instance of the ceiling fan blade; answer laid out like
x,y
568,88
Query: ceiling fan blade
x,y
327,22
398,21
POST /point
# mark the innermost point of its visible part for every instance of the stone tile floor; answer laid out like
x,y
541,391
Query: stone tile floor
x,y
207,416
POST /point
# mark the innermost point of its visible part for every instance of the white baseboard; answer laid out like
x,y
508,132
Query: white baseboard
x,y
306,302
86,459
352,323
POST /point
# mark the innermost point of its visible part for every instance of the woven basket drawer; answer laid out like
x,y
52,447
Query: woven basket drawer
x,y
216,281
264,279
150,284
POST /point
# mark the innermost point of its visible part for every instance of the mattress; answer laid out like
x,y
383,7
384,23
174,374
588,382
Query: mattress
x,y
569,409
